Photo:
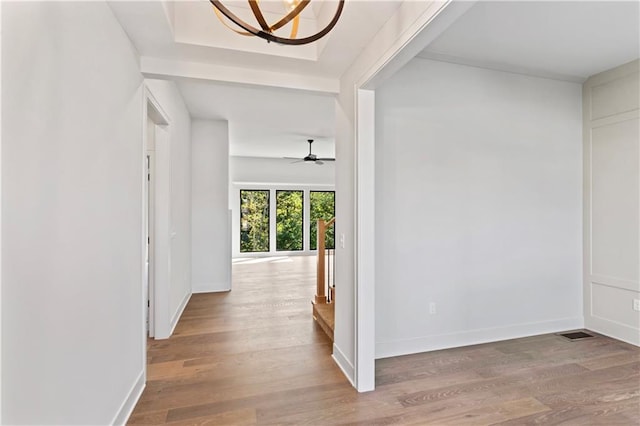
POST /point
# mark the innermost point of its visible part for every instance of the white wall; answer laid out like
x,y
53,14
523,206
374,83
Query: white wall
x,y
612,202
478,207
169,98
280,171
275,174
397,41
71,215
211,236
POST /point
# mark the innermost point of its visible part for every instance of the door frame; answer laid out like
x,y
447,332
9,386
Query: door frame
x,y
0,215
433,22
150,227
151,110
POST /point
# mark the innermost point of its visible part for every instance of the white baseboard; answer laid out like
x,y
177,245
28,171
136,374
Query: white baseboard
x,y
613,329
344,364
179,311
473,337
129,403
210,287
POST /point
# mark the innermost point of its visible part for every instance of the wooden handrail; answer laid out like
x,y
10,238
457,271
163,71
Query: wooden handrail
x,y
323,225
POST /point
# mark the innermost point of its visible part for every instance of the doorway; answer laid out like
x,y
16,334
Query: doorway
x,y
150,238
156,214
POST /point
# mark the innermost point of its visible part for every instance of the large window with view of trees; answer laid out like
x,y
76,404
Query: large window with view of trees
x,y
322,205
254,221
289,220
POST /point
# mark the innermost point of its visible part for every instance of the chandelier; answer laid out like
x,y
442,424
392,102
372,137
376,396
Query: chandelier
x,y
266,31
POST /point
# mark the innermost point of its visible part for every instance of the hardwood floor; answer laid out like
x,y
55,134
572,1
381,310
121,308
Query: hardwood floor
x,y
255,356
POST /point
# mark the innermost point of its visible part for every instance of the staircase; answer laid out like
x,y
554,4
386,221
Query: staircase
x,y
323,303
324,314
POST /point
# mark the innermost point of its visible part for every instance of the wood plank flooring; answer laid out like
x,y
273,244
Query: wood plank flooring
x,y
255,356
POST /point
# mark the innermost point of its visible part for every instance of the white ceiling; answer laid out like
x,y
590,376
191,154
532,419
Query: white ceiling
x,y
569,40
266,122
263,122
190,31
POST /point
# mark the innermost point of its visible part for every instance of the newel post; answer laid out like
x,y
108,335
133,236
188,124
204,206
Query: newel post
x,y
320,296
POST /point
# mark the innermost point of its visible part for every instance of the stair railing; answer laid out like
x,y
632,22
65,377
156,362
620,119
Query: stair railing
x,y
325,266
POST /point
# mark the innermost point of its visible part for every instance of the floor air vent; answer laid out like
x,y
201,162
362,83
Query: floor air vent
x,y
576,335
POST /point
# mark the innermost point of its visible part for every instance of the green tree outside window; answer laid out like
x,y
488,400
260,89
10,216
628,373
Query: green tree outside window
x,y
289,221
254,221
322,206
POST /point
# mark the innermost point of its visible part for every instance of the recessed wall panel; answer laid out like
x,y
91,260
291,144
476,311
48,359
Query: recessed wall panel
x,y
614,200
615,97
606,303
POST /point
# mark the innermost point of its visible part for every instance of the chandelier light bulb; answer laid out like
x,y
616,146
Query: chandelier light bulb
x,y
289,5
266,31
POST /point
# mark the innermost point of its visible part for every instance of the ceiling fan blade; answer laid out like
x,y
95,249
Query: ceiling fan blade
x,y
318,162
326,159
291,158
299,160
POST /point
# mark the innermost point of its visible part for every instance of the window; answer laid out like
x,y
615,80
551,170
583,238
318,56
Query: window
x,y
254,221
322,206
289,222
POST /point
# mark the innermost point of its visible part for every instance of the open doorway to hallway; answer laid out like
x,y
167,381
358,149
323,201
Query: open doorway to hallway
x,y
296,221
156,214
281,173
244,353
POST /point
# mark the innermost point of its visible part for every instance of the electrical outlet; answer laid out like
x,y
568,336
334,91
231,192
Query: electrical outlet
x,y
432,308
341,240
636,304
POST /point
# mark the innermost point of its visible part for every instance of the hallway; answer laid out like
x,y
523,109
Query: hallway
x,y
244,354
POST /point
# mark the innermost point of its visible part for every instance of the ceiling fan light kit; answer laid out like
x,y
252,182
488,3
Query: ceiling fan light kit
x,y
266,31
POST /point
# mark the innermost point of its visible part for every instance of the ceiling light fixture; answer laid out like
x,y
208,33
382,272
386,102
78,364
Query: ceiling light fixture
x,y
293,8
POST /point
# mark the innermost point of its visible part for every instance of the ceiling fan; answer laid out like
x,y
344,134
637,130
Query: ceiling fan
x,y
310,158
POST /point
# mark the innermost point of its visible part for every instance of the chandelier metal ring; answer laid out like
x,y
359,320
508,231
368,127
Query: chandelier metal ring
x,y
266,31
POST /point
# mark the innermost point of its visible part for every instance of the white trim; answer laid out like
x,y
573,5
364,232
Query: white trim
x,y
152,67
618,284
143,224
615,282
275,254
163,233
615,118
284,185
619,72
149,293
497,66
129,403
161,321
365,241
229,274
414,39
474,337
344,364
0,215
159,116
179,311
273,218
198,288
613,329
